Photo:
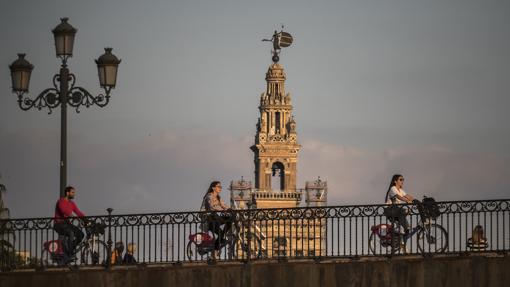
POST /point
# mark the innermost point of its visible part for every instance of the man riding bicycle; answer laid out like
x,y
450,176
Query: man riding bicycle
x,y
64,209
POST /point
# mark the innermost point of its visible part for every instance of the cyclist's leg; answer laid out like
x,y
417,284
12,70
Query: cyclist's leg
x,y
77,234
67,237
214,227
402,219
405,224
226,230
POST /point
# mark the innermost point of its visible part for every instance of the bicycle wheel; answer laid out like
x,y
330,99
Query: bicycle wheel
x,y
247,245
194,252
378,247
432,238
94,252
49,260
191,251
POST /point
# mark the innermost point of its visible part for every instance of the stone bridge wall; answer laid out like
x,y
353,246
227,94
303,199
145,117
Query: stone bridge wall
x,y
467,271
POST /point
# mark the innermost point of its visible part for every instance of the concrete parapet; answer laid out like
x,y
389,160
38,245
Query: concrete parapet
x,y
464,271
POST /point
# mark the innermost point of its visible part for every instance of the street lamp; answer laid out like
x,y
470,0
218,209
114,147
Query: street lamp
x,y
64,91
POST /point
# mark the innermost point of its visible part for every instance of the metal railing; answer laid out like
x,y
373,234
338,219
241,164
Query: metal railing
x,y
290,233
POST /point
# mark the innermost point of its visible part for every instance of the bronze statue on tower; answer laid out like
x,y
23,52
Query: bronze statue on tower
x,y
280,40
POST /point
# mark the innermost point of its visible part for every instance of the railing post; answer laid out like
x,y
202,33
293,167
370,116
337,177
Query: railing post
x,y
249,234
109,242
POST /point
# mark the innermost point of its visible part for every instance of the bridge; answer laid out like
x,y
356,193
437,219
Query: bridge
x,y
466,244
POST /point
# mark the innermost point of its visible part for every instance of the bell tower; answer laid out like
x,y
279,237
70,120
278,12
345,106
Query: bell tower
x,y
276,148
276,156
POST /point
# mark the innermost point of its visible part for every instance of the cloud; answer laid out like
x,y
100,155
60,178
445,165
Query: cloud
x,y
170,171
360,176
167,171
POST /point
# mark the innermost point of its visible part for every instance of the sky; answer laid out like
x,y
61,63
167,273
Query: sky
x,y
378,87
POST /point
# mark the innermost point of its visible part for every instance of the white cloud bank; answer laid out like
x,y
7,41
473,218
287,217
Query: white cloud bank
x,y
361,176
171,171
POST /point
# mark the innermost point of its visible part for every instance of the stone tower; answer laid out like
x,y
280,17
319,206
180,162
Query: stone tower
x,y
275,151
276,146
276,156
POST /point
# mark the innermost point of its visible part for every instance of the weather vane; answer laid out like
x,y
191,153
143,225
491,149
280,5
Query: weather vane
x,y
280,40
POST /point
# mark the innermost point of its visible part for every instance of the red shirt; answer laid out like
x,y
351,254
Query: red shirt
x,y
65,209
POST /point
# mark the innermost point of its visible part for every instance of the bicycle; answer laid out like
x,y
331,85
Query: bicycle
x,y
242,242
431,237
92,250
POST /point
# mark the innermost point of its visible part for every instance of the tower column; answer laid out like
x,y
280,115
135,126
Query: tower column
x,y
271,126
268,180
282,123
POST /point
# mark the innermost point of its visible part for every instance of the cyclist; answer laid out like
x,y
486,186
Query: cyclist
x,y
64,209
212,202
396,196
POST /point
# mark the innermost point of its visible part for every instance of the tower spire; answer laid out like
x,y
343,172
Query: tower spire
x,y
276,146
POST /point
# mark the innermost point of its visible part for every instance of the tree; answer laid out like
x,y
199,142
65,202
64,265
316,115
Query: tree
x,y
6,248
4,211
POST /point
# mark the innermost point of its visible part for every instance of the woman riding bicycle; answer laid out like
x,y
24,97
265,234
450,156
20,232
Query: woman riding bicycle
x,y
431,237
396,196
212,202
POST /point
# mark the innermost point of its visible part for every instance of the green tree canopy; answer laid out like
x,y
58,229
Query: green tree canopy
x,y
4,211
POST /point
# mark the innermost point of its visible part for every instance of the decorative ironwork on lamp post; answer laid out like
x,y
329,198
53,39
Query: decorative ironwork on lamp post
x,y
64,92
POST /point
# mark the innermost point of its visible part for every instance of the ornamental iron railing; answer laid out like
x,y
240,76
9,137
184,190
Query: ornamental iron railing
x,y
260,234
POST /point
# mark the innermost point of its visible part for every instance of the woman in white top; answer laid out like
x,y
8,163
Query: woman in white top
x,y
397,195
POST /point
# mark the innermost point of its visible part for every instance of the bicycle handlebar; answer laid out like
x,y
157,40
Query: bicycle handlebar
x,y
95,229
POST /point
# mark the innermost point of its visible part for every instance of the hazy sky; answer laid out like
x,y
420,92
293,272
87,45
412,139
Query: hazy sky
x,y
378,86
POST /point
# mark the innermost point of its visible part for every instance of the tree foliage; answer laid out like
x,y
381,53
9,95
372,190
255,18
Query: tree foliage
x,y
6,248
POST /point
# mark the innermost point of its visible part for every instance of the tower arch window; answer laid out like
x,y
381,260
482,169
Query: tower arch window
x,y
278,176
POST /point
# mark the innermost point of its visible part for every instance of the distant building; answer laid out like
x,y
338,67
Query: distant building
x,y
275,156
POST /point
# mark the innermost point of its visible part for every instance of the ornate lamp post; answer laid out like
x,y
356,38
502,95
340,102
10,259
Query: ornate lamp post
x,y
64,91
